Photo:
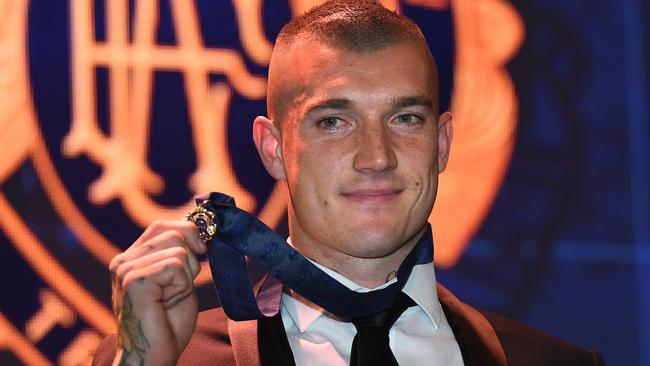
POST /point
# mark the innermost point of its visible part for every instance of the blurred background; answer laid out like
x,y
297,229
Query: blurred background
x,y
115,113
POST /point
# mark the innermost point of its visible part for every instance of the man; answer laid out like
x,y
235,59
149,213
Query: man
x,y
355,133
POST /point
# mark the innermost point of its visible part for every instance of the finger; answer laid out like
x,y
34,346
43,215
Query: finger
x,y
166,240
158,283
144,314
187,229
188,263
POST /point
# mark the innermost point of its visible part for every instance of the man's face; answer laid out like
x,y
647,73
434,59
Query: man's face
x,y
359,142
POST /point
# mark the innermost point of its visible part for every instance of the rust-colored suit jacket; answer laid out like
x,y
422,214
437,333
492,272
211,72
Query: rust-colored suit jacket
x,y
485,339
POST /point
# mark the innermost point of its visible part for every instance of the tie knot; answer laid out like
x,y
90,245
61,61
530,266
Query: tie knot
x,y
386,318
370,346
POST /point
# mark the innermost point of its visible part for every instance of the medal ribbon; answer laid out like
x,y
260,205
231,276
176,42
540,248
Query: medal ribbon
x,y
240,235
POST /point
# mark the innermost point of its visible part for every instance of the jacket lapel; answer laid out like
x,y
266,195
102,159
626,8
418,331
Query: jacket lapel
x,y
243,336
477,339
260,342
264,342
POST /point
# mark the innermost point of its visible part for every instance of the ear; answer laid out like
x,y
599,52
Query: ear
x,y
445,134
268,142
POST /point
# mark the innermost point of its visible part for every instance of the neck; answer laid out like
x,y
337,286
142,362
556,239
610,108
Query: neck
x,y
366,272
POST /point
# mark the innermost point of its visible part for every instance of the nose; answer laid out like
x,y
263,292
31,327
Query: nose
x,y
375,151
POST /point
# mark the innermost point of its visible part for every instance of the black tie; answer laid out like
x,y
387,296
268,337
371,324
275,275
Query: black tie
x,y
370,345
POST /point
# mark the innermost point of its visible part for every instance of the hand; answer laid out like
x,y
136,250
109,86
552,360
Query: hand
x,y
153,294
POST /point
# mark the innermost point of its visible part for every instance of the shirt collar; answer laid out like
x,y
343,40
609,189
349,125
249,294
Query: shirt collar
x,y
420,286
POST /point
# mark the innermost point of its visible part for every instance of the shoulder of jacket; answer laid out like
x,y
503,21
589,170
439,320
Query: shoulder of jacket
x,y
523,344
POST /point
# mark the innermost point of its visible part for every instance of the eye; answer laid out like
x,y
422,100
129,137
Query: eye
x,y
408,119
331,123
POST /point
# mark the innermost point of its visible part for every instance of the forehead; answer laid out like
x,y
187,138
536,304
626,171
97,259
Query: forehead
x,y
310,70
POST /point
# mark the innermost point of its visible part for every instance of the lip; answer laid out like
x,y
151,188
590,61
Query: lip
x,y
373,195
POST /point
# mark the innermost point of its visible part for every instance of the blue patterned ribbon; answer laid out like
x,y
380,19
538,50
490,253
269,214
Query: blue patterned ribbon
x,y
242,235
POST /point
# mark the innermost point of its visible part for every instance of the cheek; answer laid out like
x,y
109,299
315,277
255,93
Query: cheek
x,y
307,174
321,170
292,150
419,159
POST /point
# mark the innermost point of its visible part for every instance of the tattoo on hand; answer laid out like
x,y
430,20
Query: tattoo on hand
x,y
132,339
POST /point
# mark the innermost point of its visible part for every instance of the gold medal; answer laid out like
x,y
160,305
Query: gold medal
x,y
204,221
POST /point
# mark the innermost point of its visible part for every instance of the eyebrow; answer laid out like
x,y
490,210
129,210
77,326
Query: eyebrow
x,y
336,103
399,102
411,101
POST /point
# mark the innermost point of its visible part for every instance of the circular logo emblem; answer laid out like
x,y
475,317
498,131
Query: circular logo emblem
x,y
125,110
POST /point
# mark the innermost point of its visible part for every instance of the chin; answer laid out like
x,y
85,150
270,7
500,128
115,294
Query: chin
x,y
373,242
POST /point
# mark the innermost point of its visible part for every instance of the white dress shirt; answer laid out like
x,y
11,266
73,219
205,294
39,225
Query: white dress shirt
x,y
420,336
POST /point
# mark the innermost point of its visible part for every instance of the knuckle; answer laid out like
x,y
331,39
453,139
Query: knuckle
x,y
139,279
128,282
116,262
174,236
178,253
148,247
121,273
157,224
178,235
175,264
186,224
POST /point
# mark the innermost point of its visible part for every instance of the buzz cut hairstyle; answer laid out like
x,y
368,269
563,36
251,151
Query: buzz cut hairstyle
x,y
363,26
